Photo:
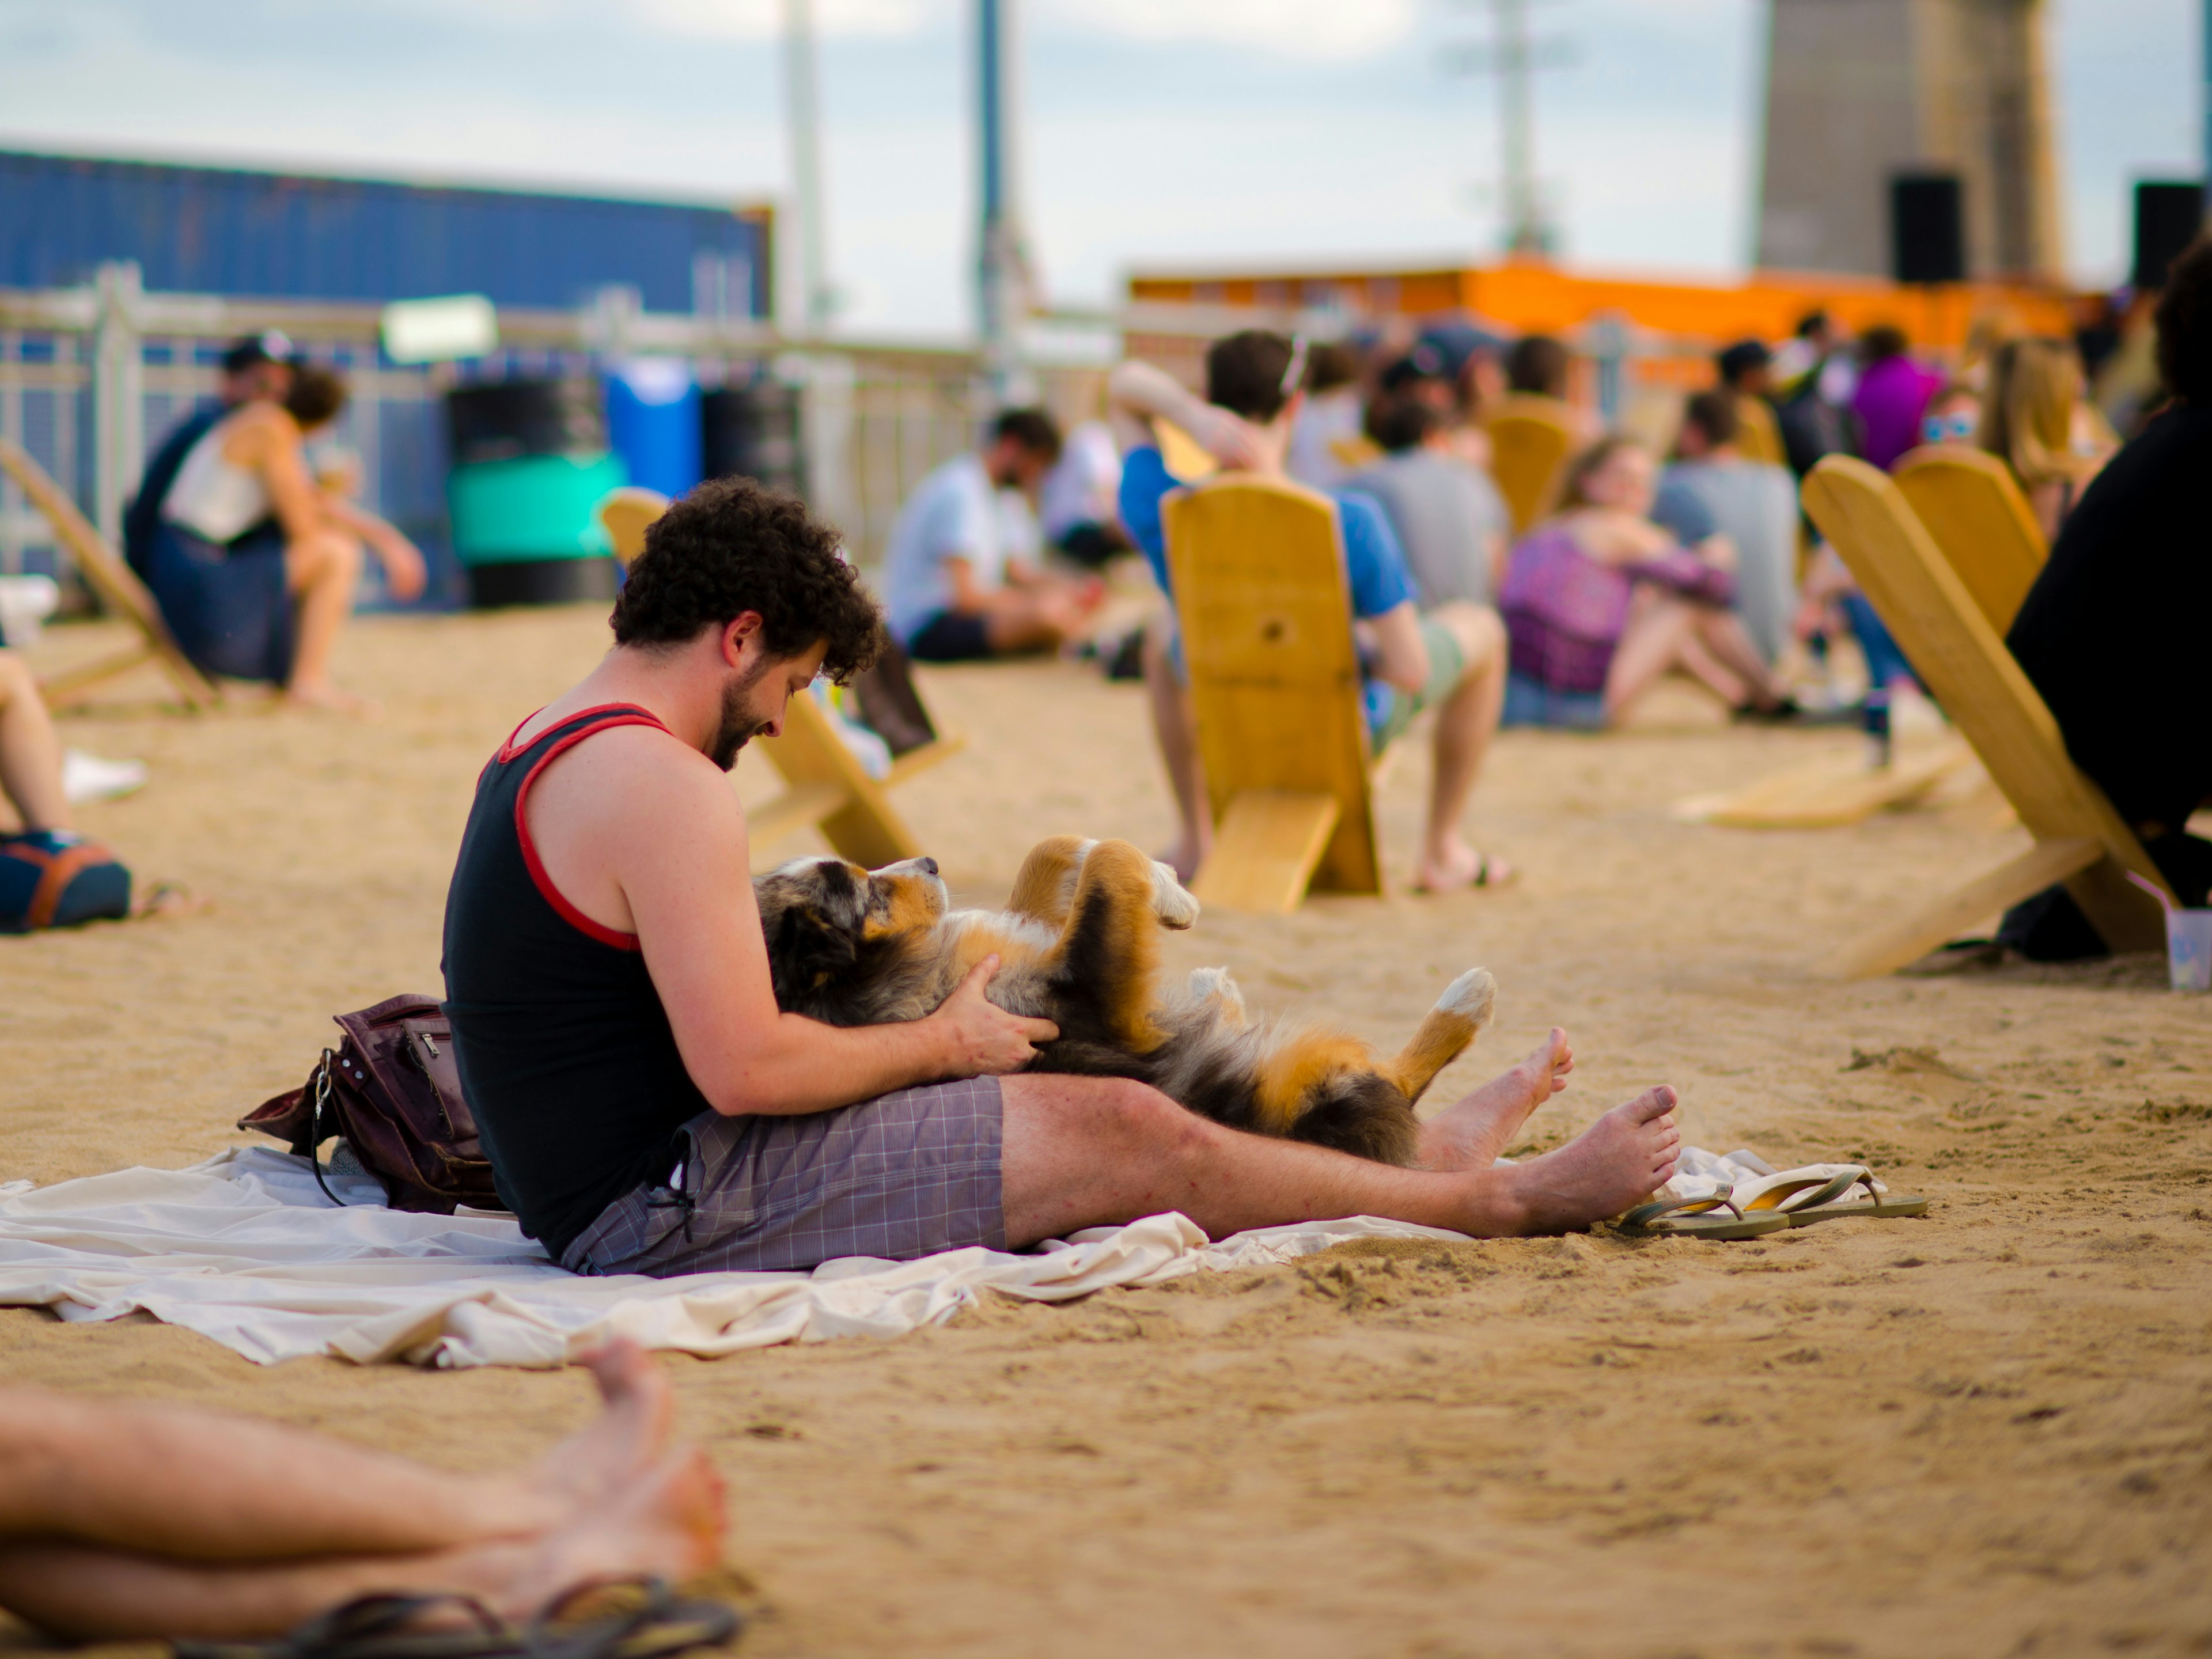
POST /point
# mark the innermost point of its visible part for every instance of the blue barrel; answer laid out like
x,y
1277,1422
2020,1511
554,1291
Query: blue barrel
x,y
652,422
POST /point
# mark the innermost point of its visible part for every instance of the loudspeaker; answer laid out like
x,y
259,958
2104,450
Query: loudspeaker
x,y
2169,216
1927,228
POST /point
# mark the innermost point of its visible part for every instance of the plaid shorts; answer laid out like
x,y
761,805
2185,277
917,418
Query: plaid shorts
x,y
906,1175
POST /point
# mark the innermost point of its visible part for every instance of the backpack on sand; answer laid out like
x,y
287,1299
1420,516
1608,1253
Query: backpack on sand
x,y
51,878
393,1091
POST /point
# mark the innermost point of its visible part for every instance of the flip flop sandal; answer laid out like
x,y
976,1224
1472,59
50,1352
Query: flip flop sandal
x,y
656,1625
1700,1218
1818,1192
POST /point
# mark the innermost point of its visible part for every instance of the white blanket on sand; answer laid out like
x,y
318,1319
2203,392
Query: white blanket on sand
x,y
245,1248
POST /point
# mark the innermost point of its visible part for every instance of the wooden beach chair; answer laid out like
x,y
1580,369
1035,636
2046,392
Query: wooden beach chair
x,y
827,788
1259,597
2079,839
1980,520
1530,439
119,590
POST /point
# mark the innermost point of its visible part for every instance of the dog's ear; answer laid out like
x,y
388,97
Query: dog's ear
x,y
807,953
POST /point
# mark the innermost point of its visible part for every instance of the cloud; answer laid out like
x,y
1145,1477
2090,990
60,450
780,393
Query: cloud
x,y
1291,29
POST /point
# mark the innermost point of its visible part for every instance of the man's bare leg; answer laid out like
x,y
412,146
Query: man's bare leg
x,y
665,1520
1176,727
1474,1132
198,1486
1095,1151
1464,725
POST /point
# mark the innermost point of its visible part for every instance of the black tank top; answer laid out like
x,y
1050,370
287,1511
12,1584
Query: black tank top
x,y
565,1052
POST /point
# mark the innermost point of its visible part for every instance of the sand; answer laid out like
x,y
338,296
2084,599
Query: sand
x,y
1984,1432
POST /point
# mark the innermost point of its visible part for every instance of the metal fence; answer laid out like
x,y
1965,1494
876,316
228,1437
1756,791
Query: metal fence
x,y
91,377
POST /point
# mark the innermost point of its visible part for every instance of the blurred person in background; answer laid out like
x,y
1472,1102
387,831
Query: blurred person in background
x,y
2113,632
1599,602
1326,444
1891,394
1711,488
1453,659
958,586
1538,374
1816,378
1747,376
257,369
49,875
1076,507
255,564
1450,521
2034,420
1954,415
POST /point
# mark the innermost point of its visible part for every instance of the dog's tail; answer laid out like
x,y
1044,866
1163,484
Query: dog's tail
x,y
1456,1020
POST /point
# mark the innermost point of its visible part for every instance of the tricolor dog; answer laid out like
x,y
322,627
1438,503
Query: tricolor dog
x,y
1079,944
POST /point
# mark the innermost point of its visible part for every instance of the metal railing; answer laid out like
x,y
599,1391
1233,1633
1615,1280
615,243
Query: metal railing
x,y
91,377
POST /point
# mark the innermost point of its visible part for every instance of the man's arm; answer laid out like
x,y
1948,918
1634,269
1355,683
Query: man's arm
x,y
1137,394
648,838
1401,659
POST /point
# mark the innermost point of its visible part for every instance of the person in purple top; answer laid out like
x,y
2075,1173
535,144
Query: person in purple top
x,y
1892,396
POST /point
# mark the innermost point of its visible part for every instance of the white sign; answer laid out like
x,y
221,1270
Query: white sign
x,y
435,330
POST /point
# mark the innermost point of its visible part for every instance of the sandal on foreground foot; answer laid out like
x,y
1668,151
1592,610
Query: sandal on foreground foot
x,y
656,1625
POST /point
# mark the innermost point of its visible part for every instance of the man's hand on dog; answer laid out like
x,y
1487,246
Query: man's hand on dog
x,y
986,1040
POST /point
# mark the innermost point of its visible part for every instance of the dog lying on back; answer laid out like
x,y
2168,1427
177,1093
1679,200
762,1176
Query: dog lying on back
x,y
1079,944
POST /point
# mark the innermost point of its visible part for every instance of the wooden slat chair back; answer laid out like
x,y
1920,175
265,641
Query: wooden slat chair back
x,y
1530,439
1258,569
1759,434
827,787
1974,509
118,588
2079,839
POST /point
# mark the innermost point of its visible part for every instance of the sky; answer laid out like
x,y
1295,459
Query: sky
x,y
1259,132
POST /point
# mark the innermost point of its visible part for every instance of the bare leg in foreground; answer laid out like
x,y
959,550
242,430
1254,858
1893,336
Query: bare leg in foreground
x,y
120,1520
1093,1152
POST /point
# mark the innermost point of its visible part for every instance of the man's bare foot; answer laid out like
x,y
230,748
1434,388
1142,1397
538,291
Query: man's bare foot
x,y
610,1451
1455,865
327,699
1619,1160
667,1521
1471,1133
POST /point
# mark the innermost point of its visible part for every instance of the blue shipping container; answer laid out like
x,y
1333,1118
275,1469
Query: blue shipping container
x,y
208,230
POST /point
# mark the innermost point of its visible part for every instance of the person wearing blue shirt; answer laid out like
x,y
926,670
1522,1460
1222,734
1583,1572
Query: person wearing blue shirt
x,y
1452,659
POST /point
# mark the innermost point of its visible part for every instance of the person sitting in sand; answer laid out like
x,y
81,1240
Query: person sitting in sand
x,y
2113,633
646,1107
49,875
1448,518
256,370
955,585
122,1522
1451,660
254,564
1714,488
1599,602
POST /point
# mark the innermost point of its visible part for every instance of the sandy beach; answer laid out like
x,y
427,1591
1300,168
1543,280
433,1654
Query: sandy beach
x,y
1985,1432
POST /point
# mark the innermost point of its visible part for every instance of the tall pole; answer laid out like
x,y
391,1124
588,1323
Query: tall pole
x,y
2204,45
999,286
1525,222
802,103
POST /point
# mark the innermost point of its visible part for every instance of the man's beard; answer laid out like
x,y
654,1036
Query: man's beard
x,y
737,726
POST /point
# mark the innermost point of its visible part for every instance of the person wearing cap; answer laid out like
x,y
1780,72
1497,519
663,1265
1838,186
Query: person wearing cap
x,y
1452,659
256,370
253,563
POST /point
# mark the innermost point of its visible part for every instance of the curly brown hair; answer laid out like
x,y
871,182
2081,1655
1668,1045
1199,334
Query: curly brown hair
x,y
732,546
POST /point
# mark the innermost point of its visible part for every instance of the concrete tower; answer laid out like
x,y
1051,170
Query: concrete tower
x,y
1860,90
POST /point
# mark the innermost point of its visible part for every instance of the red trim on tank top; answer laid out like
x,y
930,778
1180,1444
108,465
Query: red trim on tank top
x,y
631,715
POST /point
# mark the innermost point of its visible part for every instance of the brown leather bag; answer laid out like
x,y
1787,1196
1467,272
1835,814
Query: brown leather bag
x,y
393,1091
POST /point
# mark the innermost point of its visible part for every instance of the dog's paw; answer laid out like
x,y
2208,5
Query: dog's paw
x,y
1472,996
1171,903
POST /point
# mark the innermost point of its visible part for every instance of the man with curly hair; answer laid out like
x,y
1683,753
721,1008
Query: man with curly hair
x,y
648,1108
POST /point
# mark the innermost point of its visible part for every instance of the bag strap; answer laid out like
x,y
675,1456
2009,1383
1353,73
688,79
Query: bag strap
x,y
318,1097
